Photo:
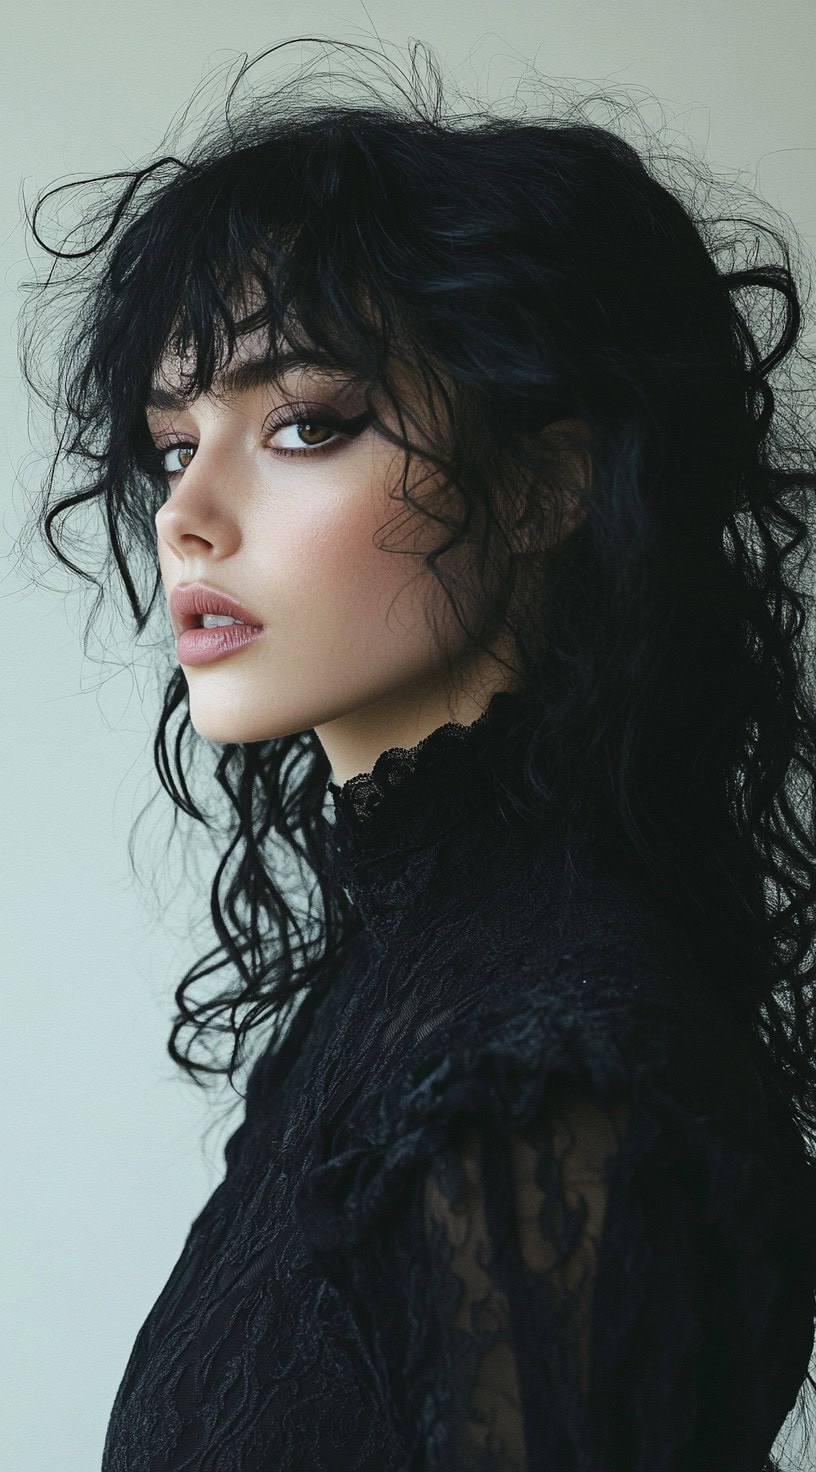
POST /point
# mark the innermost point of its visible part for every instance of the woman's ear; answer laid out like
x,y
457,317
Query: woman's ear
x,y
564,446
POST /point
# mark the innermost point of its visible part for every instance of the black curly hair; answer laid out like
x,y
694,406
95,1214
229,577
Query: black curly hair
x,y
538,275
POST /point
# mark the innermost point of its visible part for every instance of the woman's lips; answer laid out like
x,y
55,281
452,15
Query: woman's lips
x,y
203,646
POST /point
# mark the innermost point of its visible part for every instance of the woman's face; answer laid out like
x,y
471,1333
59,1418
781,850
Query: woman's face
x,y
346,648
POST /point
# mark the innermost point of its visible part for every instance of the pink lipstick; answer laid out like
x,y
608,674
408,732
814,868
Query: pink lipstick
x,y
202,646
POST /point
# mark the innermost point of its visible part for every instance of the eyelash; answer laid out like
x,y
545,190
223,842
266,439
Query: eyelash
x,y
300,414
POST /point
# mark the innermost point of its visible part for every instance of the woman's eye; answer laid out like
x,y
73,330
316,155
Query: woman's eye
x,y
175,450
303,429
302,432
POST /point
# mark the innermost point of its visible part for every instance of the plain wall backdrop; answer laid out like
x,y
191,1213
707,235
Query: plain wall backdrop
x,y
105,1161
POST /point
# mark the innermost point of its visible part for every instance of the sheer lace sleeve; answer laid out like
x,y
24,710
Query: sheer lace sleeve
x,y
513,1225
556,1262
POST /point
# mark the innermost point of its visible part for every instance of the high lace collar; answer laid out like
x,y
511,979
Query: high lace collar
x,y
407,835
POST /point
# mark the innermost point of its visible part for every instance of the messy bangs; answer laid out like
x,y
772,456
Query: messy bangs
x,y
261,244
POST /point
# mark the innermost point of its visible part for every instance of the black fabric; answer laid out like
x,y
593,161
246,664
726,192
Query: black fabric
x,y
510,1194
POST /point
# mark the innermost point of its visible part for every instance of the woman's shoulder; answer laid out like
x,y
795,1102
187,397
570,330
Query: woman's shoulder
x,y
570,970
605,1022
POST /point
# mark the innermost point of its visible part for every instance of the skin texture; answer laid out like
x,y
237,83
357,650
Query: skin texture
x,y
347,648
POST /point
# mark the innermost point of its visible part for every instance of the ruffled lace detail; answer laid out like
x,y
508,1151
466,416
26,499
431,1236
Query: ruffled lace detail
x,y
440,778
394,843
492,1066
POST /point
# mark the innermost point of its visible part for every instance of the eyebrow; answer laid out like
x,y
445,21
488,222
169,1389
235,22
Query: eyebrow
x,y
253,373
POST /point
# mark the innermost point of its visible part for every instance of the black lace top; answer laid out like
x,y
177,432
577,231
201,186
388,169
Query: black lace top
x,y
510,1193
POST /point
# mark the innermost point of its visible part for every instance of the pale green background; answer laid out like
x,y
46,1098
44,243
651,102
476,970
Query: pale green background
x,y
104,1164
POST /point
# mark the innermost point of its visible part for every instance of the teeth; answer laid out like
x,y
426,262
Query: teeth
x,y
217,620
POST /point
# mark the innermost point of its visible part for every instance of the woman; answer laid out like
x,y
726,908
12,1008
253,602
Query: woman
x,y
468,420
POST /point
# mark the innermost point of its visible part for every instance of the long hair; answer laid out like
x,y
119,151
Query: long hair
x,y
533,274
